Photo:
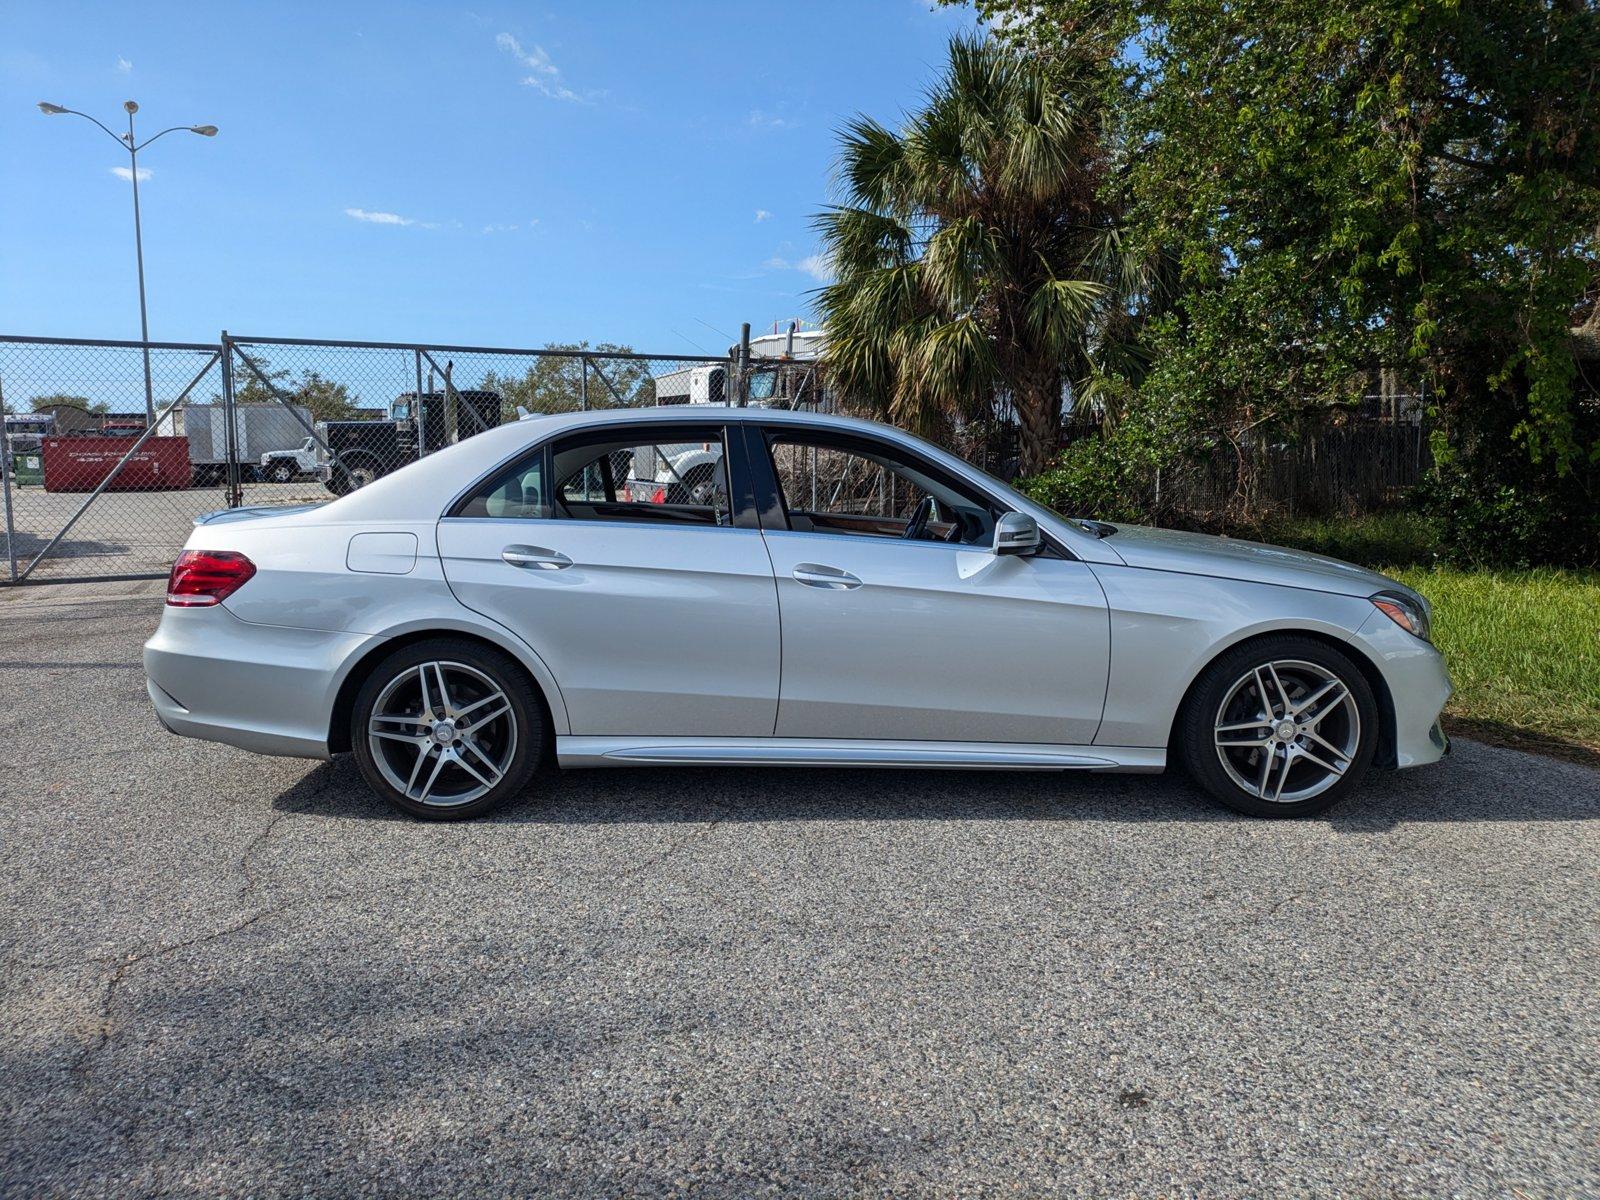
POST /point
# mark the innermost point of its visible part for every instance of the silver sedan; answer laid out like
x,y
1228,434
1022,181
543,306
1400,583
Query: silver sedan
x,y
724,585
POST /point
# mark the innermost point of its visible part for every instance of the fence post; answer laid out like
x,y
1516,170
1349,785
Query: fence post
x,y
5,484
744,364
583,386
230,419
422,431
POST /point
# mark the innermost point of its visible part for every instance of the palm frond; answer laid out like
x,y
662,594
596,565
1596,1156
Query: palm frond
x,y
859,239
872,161
1059,311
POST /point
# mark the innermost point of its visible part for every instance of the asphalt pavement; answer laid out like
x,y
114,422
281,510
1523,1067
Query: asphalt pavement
x,y
231,975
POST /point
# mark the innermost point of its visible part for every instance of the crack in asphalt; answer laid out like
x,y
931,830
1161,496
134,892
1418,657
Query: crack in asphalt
x,y
125,962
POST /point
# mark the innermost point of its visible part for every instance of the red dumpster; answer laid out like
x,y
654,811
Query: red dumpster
x,y
78,464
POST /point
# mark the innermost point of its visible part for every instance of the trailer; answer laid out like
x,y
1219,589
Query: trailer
x,y
259,430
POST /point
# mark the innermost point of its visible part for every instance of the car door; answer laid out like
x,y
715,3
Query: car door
x,y
926,638
656,618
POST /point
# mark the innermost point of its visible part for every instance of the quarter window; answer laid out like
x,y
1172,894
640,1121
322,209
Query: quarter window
x,y
517,492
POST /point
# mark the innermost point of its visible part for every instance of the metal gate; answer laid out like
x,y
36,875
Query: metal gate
x,y
96,471
103,475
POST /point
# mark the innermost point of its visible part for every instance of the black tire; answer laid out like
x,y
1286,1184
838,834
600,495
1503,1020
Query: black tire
x,y
352,472
281,473
467,664
1225,682
698,486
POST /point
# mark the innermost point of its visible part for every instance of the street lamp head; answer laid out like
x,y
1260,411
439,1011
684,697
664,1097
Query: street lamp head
x,y
49,109
204,130
130,107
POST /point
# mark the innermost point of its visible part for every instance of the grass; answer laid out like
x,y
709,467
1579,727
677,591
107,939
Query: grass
x,y
1523,646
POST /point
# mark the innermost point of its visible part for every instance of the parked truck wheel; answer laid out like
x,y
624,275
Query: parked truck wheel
x,y
698,486
281,472
354,473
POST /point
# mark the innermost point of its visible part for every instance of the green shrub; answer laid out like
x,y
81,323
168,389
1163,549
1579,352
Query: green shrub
x,y
1502,514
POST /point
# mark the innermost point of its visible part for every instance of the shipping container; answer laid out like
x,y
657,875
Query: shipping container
x,y
79,464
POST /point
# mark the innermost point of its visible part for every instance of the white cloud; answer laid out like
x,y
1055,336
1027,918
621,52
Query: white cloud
x,y
818,266
125,174
500,228
386,218
124,66
543,75
765,120
762,215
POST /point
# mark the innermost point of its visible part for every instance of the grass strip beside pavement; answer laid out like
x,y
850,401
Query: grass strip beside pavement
x,y
1523,646
1523,649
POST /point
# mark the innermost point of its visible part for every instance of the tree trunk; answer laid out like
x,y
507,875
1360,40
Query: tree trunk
x,y
1038,407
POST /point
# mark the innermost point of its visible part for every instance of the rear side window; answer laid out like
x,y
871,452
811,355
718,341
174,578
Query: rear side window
x,y
661,474
518,491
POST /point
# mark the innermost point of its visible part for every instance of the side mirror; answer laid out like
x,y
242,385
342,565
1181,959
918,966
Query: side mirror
x,y
1016,533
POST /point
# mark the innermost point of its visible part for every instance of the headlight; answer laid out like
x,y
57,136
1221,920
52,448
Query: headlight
x,y
1405,612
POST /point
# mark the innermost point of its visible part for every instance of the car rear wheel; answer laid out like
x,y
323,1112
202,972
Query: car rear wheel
x,y
447,729
1284,726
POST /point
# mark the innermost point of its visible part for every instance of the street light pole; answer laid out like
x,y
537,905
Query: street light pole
x,y
132,146
138,252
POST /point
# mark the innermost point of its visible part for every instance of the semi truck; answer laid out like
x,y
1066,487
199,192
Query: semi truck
x,y
413,426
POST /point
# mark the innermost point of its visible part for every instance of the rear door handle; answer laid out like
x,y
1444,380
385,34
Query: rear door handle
x,y
535,558
818,575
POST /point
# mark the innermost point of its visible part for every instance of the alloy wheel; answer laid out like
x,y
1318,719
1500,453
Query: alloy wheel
x,y
442,733
1287,730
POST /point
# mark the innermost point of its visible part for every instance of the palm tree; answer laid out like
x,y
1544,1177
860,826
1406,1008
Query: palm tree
x,y
974,255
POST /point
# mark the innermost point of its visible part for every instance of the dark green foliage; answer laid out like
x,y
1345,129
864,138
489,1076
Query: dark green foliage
x,y
1410,182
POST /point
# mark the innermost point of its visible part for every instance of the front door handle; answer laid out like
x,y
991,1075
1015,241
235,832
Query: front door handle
x,y
831,578
535,558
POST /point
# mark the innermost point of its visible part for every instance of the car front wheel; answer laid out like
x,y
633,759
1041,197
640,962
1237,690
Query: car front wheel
x,y
447,729
1284,726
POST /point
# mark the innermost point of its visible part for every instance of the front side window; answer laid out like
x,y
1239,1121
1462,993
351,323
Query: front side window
x,y
675,474
859,487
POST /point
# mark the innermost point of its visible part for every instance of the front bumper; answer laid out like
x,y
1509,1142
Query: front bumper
x,y
263,688
1419,685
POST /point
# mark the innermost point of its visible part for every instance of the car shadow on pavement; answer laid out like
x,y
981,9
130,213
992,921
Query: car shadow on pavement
x,y
1478,783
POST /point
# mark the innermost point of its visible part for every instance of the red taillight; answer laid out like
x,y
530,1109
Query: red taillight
x,y
204,577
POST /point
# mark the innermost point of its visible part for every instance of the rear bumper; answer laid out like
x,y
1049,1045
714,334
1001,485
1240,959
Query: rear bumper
x,y
262,688
1418,684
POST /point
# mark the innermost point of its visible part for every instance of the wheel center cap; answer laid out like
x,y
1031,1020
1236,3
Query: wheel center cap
x,y
444,732
1285,731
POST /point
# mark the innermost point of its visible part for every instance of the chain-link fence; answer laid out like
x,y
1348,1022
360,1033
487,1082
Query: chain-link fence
x,y
113,448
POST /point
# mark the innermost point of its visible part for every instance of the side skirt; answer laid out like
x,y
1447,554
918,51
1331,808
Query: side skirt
x,y
851,752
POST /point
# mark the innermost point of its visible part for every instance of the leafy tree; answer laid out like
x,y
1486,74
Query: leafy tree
x,y
556,382
327,400
40,403
976,254
1382,181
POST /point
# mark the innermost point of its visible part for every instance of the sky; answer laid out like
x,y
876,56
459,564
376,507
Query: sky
x,y
488,174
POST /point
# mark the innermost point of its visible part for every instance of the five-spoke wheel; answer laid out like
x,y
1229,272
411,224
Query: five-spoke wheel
x,y
1282,726
447,728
